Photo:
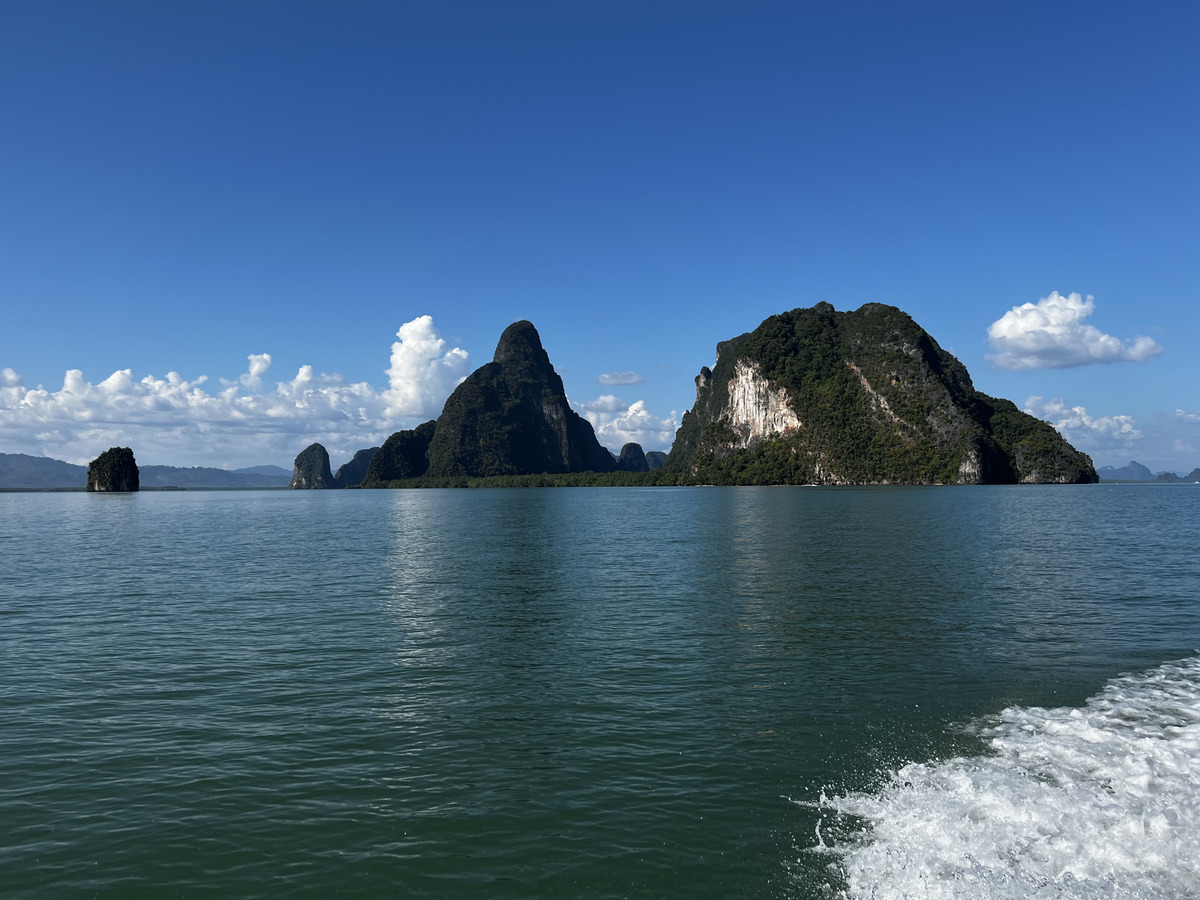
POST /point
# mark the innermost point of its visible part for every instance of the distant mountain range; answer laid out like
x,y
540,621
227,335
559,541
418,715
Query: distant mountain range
x,y
19,471
1135,471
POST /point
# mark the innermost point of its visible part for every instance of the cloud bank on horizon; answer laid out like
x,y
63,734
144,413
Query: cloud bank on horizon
x,y
1118,438
618,423
1052,334
247,421
1089,433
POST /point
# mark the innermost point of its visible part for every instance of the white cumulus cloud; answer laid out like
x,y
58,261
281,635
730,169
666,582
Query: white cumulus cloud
x,y
259,363
423,372
612,379
618,423
241,421
1093,434
1052,334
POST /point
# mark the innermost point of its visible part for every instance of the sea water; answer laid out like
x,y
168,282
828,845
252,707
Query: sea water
x,y
1097,801
780,692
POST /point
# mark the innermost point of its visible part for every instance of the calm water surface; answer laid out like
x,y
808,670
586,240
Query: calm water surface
x,y
598,692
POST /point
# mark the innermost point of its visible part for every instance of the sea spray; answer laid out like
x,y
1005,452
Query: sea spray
x,y
1101,801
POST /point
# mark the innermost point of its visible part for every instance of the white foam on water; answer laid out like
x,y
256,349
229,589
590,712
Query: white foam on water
x,y
1101,801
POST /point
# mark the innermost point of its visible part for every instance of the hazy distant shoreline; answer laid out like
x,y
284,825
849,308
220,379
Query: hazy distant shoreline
x,y
19,471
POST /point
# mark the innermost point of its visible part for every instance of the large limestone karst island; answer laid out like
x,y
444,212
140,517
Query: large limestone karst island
x,y
812,396
508,417
511,417
816,396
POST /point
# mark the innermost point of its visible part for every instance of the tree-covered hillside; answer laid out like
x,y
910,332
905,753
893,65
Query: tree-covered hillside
x,y
877,402
511,417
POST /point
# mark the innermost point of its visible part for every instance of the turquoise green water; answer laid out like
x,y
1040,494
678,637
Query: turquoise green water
x,y
559,692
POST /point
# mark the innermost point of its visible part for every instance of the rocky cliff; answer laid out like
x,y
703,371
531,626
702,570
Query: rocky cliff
x,y
403,455
352,473
311,471
814,396
632,459
114,470
511,417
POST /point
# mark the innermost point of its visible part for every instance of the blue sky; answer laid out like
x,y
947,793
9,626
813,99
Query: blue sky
x,y
189,188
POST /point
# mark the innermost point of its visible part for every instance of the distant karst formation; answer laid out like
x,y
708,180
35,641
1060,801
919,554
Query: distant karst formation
x,y
311,471
1135,471
351,474
1192,477
113,471
511,417
816,396
632,459
812,396
655,459
508,417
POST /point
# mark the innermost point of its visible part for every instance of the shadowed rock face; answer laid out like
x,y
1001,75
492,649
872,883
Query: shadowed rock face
x,y
655,459
403,455
632,459
114,470
814,396
311,471
353,472
511,417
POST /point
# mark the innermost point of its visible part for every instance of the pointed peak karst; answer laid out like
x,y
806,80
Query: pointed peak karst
x,y
520,343
511,417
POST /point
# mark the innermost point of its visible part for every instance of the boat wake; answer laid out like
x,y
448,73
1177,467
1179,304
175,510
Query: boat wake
x,y
1101,801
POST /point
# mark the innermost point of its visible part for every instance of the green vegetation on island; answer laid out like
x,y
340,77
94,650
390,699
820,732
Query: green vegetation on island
x,y
113,471
812,396
511,417
403,455
312,470
352,473
508,419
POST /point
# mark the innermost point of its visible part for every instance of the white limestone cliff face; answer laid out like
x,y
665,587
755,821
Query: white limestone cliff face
x,y
755,411
970,469
878,401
